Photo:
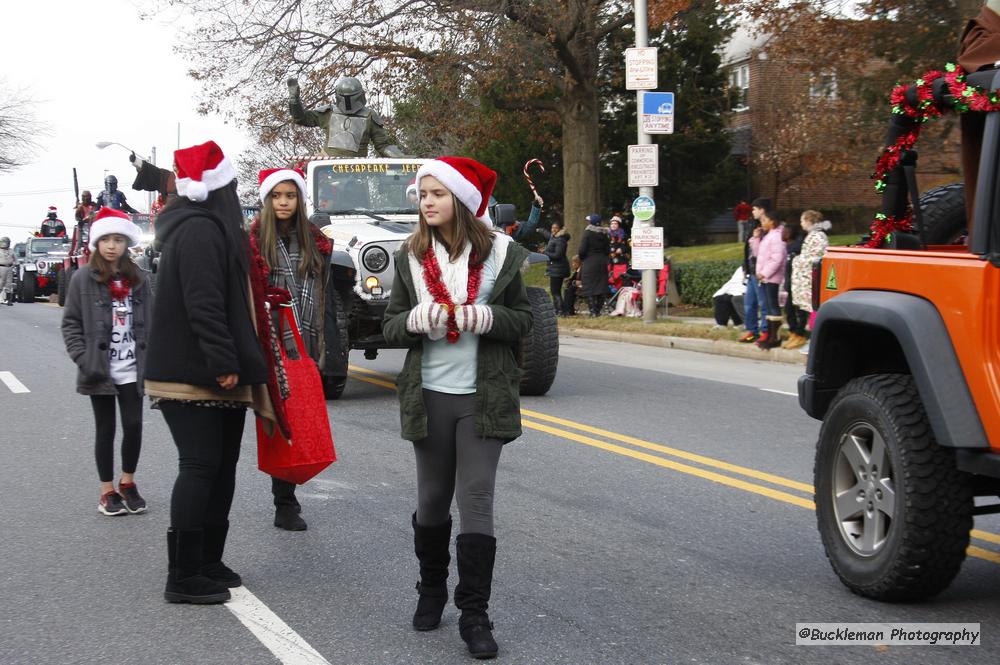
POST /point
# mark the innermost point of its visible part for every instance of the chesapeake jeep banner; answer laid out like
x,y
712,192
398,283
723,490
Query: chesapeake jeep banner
x,y
890,634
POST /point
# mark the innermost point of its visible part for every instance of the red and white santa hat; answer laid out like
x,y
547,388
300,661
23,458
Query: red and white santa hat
x,y
411,188
471,182
268,178
202,169
52,210
108,221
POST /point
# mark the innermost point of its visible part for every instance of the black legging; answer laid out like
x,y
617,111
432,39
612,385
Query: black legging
x,y
130,403
555,288
771,295
208,447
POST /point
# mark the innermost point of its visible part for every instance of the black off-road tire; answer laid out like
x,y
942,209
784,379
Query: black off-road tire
x,y
26,292
926,538
62,284
333,386
944,214
540,350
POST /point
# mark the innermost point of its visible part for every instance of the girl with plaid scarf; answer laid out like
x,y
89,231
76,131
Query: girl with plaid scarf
x,y
290,267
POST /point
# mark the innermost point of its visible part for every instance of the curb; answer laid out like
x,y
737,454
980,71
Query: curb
x,y
718,347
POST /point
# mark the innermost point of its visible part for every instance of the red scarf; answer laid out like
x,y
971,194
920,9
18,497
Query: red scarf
x,y
119,287
432,278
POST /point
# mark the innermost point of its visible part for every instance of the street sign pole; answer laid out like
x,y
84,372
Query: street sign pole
x,y
649,277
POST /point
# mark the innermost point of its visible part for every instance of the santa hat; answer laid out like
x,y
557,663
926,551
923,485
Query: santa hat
x,y
202,169
52,210
411,188
108,221
268,178
470,182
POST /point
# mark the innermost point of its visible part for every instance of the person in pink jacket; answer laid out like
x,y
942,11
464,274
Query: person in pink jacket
x,y
771,256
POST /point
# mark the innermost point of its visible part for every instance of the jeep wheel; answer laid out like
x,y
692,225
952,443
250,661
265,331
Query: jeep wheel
x,y
27,290
944,214
333,386
62,284
540,349
893,511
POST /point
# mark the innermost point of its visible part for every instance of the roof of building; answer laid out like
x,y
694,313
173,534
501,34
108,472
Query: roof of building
x,y
745,39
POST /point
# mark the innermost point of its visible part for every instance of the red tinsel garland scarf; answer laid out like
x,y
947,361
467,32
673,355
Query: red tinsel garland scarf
x,y
966,98
438,291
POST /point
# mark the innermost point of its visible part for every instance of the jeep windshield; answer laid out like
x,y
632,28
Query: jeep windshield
x,y
364,189
46,245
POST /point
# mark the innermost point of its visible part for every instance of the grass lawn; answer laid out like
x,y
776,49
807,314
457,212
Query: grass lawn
x,y
668,328
732,250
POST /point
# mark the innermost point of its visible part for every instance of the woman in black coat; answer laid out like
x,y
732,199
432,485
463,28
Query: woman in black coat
x,y
558,269
594,251
203,363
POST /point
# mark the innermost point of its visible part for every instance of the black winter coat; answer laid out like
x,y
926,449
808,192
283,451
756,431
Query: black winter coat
x,y
594,249
86,329
556,251
203,327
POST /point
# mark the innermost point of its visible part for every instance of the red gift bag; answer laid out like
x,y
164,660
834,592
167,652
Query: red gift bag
x,y
310,449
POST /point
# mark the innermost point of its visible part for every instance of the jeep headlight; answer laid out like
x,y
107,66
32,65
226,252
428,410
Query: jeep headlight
x,y
375,259
42,266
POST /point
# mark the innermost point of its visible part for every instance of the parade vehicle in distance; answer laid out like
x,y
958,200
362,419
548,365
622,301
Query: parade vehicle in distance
x,y
362,205
903,371
38,272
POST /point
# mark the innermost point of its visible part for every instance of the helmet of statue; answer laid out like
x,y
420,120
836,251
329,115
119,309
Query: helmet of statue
x,y
111,183
350,95
5,243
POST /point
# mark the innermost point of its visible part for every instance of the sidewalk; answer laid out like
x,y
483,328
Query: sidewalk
x,y
720,347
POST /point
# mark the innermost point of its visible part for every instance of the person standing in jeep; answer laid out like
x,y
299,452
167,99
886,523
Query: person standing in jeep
x,y
291,257
7,261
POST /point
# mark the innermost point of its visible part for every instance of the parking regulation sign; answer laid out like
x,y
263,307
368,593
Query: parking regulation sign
x,y
643,165
658,113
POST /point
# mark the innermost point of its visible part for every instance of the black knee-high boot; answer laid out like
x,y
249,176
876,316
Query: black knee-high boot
x,y
431,546
212,566
476,554
185,583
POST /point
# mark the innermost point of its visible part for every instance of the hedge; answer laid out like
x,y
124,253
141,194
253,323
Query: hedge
x,y
697,281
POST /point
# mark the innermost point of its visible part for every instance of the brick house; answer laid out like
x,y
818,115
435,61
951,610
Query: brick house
x,y
772,97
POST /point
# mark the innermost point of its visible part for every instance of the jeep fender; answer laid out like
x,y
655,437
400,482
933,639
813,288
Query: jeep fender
x,y
342,259
867,332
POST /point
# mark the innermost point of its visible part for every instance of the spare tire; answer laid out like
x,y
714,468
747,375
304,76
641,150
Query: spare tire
x,y
540,349
944,215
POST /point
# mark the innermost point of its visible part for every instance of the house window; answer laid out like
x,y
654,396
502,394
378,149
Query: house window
x,y
823,85
739,84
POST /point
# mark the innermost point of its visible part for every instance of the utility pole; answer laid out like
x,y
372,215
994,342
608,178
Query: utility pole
x,y
649,277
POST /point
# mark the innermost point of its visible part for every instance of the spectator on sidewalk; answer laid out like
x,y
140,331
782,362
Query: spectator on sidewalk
x,y
770,273
558,269
753,300
572,286
796,318
594,249
813,248
742,214
727,303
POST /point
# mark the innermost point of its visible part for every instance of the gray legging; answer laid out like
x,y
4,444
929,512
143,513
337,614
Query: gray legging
x,y
453,454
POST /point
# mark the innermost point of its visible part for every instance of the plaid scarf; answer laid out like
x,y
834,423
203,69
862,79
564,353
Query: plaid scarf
x,y
304,306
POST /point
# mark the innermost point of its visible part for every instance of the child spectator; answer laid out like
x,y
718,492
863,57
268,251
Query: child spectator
x,y
770,272
795,317
572,286
727,302
813,248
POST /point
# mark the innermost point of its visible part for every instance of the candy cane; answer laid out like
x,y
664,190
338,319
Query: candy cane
x,y
527,176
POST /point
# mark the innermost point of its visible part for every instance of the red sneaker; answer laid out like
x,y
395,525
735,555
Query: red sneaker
x,y
749,338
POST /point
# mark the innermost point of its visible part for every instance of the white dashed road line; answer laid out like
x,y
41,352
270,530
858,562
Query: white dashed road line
x,y
11,381
780,392
286,645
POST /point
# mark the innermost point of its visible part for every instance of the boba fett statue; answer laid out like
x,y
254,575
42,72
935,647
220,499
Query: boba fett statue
x,y
350,125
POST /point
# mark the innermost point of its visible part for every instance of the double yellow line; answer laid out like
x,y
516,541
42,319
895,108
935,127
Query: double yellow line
x,y
708,469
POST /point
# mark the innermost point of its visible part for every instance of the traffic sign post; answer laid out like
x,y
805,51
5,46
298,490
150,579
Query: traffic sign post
x,y
658,113
641,72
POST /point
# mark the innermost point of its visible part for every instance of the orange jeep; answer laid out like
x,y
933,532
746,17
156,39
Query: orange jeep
x,y
904,372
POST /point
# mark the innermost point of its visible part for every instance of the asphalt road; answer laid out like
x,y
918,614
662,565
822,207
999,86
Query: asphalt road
x,y
657,510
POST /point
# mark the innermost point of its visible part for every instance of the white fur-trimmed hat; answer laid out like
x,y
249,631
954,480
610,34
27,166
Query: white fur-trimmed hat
x,y
108,221
202,169
268,178
471,182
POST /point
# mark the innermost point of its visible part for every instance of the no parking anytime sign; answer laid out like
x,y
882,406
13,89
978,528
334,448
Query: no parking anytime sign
x,y
647,248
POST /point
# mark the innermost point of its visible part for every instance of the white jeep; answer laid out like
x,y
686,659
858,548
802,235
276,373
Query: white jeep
x,y
362,205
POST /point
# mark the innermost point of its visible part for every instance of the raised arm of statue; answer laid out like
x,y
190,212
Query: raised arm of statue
x,y
299,114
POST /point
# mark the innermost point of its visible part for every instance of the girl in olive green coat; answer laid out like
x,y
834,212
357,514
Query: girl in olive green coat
x,y
459,305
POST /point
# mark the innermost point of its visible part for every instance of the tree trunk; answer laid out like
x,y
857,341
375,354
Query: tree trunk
x,y
580,155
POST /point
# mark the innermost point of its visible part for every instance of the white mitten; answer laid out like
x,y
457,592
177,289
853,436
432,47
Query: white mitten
x,y
475,319
428,318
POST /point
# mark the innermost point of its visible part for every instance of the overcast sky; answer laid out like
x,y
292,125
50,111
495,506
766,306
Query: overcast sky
x,y
98,73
